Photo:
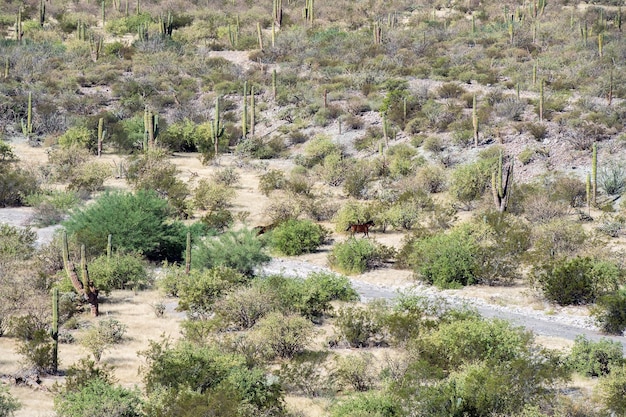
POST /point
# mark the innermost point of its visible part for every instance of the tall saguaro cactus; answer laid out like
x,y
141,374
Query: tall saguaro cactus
x,y
42,12
244,111
84,287
217,130
101,134
308,11
188,254
594,173
277,11
502,185
27,128
252,111
55,330
475,121
151,128
19,32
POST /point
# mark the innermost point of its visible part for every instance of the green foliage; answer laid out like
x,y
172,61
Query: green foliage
x,y
595,358
578,280
241,250
139,222
372,404
612,178
90,177
151,170
295,237
355,256
120,271
16,243
8,404
446,260
128,24
611,390
98,398
212,196
362,326
610,312
36,350
352,212
97,339
311,296
242,307
199,290
52,207
84,371
273,179
468,182
6,153
181,136
78,136
15,184
284,335
357,371
316,150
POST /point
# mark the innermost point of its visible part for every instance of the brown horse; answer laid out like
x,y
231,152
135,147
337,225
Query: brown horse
x,y
360,228
264,229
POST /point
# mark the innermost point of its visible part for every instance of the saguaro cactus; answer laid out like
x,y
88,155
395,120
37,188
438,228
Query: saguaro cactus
x,y
274,83
244,111
217,130
54,333
502,185
541,100
166,25
475,120
260,35
42,12
277,11
151,128
19,32
188,254
308,11
101,135
84,288
6,67
594,173
27,128
252,111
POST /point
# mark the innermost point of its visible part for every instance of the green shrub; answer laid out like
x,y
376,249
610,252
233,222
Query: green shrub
x,y
317,149
284,335
611,391
578,280
37,351
241,250
90,177
98,398
15,184
362,326
16,243
198,291
243,307
374,404
97,339
295,237
595,358
610,312
468,182
8,404
181,136
128,24
355,256
78,136
212,196
612,178
273,179
357,371
447,260
120,271
52,207
139,223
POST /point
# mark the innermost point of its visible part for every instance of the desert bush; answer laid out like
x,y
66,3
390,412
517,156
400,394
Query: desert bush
x,y
16,243
568,189
198,291
212,196
307,374
8,404
241,250
433,144
295,237
83,371
90,177
51,207
446,260
139,222
357,371
595,358
36,350
510,108
316,150
78,136
468,182
540,208
181,136
432,178
537,130
219,219
557,238
352,212
15,184
119,271
367,404
226,176
362,326
610,312
578,280
152,170
355,256
611,391
273,179
243,307
450,90
284,335
99,398
101,337
358,175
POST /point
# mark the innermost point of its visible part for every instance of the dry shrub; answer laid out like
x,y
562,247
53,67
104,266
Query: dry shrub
x,y
538,208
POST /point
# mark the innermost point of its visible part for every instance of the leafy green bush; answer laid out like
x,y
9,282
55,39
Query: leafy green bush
x,y
98,398
97,339
120,271
362,326
181,136
468,182
16,243
295,237
357,371
610,312
212,196
447,260
78,136
52,207
355,256
611,390
241,250
595,358
367,404
90,177
284,335
578,280
242,307
317,149
139,223
199,290
15,184
273,179
8,404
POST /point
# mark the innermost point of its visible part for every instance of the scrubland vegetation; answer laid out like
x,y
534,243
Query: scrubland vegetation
x,y
489,134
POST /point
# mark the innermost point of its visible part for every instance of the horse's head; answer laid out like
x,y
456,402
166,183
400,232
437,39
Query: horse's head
x,y
370,223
